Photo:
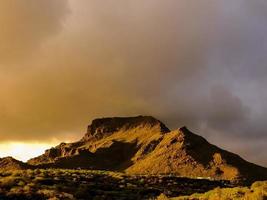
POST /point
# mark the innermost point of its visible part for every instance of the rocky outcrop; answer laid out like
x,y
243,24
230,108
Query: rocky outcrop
x,y
103,127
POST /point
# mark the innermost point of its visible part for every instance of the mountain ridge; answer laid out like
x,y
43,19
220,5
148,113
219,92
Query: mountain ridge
x,y
144,145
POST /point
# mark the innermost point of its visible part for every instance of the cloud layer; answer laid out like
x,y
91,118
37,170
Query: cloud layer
x,y
25,24
201,64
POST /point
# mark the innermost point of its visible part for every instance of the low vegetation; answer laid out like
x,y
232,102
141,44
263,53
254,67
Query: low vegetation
x,y
53,184
258,191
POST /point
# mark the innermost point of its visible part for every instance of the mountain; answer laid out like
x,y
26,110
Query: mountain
x,y
9,163
110,143
144,145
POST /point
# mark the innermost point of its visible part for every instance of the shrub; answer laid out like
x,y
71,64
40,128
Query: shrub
x,y
258,191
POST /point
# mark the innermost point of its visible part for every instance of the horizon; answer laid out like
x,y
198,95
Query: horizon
x,y
35,149
17,150
200,64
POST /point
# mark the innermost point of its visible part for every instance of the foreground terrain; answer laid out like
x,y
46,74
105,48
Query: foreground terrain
x,y
258,191
62,184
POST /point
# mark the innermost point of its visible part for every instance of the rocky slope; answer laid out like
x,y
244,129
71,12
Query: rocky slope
x,y
144,145
110,143
9,163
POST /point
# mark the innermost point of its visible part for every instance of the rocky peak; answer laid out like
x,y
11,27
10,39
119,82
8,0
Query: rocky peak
x,y
99,127
184,129
189,135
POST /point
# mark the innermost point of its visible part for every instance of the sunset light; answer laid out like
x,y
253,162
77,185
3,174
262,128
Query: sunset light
x,y
127,99
22,150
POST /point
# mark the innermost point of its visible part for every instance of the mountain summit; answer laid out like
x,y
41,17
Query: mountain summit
x,y
106,126
144,145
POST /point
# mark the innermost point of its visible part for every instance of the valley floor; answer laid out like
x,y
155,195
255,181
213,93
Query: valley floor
x,y
62,184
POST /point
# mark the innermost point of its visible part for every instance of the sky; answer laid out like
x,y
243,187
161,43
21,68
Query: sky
x,y
202,64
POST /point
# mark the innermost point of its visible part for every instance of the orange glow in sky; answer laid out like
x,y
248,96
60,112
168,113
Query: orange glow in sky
x,y
23,151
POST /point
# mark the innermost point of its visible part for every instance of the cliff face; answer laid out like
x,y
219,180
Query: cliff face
x,y
101,128
144,145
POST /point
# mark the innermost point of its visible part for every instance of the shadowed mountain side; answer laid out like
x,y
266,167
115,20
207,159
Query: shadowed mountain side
x,y
116,157
144,145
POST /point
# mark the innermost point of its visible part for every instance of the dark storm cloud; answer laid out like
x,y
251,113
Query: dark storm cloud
x,y
195,63
24,25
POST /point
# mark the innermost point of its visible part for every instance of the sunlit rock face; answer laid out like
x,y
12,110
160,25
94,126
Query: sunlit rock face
x,y
105,126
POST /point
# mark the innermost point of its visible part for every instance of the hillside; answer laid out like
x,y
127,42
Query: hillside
x,y
9,163
144,145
